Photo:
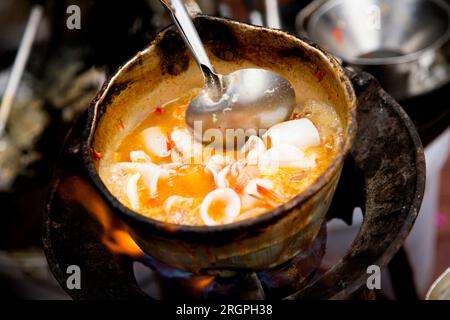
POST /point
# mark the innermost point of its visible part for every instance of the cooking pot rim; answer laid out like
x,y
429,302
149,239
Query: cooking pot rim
x,y
264,219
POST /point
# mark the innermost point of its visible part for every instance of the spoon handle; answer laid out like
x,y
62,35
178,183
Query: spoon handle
x,y
187,29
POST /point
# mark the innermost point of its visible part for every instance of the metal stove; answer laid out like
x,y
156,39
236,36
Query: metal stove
x,y
384,176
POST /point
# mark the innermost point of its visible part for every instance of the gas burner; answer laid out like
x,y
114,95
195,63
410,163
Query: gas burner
x,y
269,284
384,176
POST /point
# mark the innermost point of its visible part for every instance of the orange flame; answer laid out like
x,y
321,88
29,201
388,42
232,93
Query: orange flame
x,y
200,283
115,237
197,286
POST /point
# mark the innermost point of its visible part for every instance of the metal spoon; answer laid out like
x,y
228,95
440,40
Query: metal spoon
x,y
19,65
244,99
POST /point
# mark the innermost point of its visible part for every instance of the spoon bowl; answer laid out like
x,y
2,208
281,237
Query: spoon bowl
x,y
252,99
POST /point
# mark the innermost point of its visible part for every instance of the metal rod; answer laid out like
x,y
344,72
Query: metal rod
x,y
272,14
256,18
19,65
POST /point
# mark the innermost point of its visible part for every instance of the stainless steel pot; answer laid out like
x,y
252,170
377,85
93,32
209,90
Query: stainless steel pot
x,y
405,44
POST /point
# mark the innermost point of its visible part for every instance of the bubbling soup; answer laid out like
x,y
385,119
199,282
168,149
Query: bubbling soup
x,y
161,171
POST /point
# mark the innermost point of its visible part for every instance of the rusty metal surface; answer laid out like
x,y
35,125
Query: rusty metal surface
x,y
386,160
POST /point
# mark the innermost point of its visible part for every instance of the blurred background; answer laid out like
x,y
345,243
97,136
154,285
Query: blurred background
x,y
404,43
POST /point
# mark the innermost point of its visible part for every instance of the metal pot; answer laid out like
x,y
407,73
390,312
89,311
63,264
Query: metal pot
x,y
405,44
164,71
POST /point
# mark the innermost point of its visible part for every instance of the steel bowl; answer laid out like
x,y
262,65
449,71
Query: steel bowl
x,y
440,289
164,71
405,44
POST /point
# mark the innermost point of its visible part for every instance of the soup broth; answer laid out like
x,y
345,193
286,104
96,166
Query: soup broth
x,y
160,171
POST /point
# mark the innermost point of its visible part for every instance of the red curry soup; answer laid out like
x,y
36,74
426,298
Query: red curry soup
x,y
161,171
